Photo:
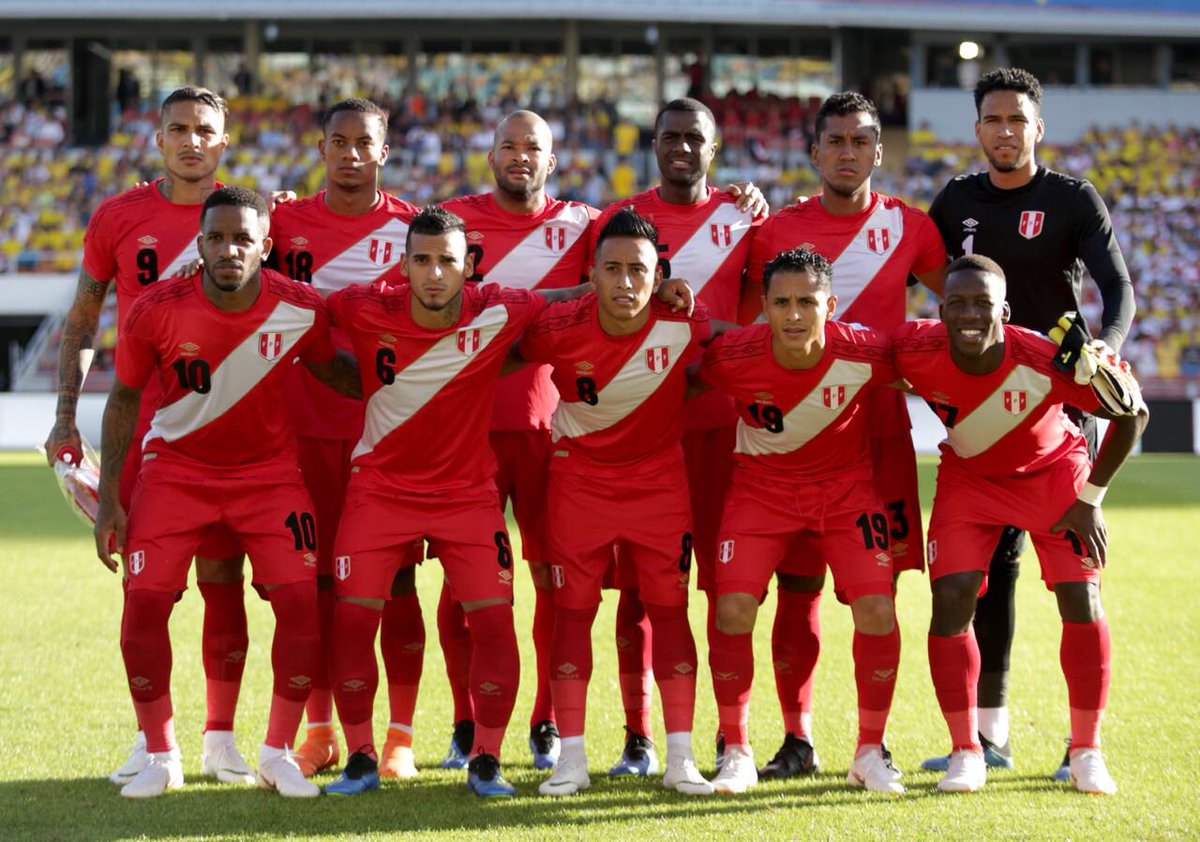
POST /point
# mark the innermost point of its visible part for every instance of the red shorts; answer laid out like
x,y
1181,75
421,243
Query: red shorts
x,y
466,531
709,458
894,472
169,517
970,511
648,524
841,520
521,461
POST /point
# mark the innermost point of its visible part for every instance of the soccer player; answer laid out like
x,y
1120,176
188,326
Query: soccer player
x,y
135,239
1011,456
876,243
1043,228
705,237
220,450
435,346
619,362
350,232
801,384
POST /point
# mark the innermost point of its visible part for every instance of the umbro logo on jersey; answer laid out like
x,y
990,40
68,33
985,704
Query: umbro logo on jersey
x,y
657,359
765,397
147,240
270,346
722,235
832,397
879,240
557,574
584,366
341,567
299,241
1015,401
474,236
970,224
556,237
1031,224
469,340
725,552
387,339
189,349
137,562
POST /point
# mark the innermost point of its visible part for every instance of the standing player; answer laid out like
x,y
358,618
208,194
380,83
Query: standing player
x,y
619,361
875,243
134,239
1011,457
802,385
705,237
1043,228
350,232
220,450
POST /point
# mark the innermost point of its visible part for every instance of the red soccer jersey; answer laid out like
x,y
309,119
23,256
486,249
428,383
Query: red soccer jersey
x,y
224,409
544,250
873,253
621,396
706,244
801,424
1000,424
429,392
316,246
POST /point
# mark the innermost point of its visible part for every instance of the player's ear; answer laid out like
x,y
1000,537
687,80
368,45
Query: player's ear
x,y
404,264
832,306
878,153
552,165
158,140
1041,129
491,159
1005,313
268,243
812,152
384,149
469,264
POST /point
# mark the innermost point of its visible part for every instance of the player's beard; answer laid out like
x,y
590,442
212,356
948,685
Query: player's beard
x,y
249,273
1017,163
534,185
448,311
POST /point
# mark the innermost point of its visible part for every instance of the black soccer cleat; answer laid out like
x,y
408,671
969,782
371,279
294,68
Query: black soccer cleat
x,y
795,758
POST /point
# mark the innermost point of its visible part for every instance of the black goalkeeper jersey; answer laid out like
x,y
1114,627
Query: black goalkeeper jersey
x,y
1042,234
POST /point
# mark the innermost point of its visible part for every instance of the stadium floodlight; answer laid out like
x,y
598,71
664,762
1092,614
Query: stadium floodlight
x,y
969,50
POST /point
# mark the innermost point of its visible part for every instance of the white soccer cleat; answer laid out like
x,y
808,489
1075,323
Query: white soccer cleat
x,y
133,764
967,772
221,759
872,770
738,771
162,770
278,770
683,776
1089,773
570,776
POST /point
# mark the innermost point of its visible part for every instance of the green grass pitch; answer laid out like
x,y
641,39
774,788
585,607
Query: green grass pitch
x,y
66,720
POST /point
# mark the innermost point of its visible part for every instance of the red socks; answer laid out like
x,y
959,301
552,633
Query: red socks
x,y
731,660
543,631
795,648
295,656
319,707
674,665
876,658
954,667
1086,657
571,667
495,674
402,641
455,640
633,661
146,648
355,672
224,644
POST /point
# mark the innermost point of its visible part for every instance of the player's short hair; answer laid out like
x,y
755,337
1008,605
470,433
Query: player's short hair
x,y
237,197
803,259
193,93
975,262
433,221
687,105
627,222
1009,79
357,105
847,102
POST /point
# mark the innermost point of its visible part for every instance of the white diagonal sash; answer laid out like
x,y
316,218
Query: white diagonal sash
x,y
419,381
699,258
531,260
857,265
189,253
355,266
989,422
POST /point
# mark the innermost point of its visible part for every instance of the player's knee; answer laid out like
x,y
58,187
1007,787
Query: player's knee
x,y
219,571
736,613
800,584
874,614
1079,602
953,603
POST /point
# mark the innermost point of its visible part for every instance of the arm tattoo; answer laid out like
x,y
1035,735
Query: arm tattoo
x,y
340,374
120,419
78,329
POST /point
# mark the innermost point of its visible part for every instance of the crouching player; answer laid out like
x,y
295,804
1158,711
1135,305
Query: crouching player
x,y
803,469
617,479
220,450
1011,457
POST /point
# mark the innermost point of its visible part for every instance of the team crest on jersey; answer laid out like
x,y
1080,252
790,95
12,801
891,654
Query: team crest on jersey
x,y
722,235
657,359
137,562
556,237
725,552
341,567
879,240
270,346
833,396
469,340
1031,224
931,553
558,575
1015,401
380,251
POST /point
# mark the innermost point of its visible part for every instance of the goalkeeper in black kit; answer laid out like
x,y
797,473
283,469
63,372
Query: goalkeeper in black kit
x,y
1044,228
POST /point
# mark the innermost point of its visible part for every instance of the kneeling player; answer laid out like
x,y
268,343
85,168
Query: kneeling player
x,y
220,451
803,470
618,362
1011,457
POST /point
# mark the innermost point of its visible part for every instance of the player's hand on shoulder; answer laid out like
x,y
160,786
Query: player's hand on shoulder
x,y
189,269
749,198
1087,523
677,293
278,197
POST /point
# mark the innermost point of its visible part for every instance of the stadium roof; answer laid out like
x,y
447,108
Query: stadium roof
x,y
1148,18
